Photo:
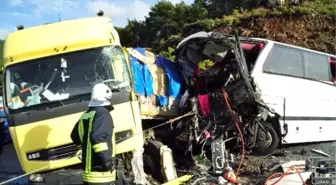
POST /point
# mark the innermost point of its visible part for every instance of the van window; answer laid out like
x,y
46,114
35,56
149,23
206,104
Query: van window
x,y
317,66
284,60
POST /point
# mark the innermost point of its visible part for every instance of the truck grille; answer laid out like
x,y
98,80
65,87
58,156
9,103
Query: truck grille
x,y
55,153
123,135
68,150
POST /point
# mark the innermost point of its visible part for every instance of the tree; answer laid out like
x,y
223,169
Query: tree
x,y
197,12
166,20
161,22
134,34
218,8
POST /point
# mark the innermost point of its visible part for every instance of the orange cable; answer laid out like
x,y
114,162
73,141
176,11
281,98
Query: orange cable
x,y
238,128
283,175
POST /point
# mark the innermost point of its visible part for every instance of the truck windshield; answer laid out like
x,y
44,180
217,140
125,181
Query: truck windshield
x,y
65,76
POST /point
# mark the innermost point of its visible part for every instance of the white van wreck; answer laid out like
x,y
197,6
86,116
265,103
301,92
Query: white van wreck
x,y
272,93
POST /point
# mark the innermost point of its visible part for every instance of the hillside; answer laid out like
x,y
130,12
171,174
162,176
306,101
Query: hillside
x,y
307,26
315,32
310,24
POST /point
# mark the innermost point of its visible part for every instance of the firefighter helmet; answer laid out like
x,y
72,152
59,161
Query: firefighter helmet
x,y
101,96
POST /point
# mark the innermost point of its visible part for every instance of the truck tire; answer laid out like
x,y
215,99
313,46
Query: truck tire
x,y
152,160
266,146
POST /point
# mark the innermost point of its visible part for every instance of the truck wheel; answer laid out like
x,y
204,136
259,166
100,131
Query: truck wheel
x,y
152,160
267,142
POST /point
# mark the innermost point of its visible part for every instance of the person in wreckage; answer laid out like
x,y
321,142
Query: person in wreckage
x,y
93,132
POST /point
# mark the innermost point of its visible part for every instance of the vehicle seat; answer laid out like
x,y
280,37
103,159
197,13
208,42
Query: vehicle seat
x,y
202,93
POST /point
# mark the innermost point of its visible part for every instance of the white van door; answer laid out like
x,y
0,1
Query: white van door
x,y
297,84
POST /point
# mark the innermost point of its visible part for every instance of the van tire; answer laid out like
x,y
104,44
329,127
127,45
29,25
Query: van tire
x,y
268,147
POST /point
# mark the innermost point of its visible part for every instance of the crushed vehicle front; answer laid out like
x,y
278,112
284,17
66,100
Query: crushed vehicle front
x,y
47,86
224,95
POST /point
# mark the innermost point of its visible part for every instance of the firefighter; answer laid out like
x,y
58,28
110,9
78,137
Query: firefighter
x,y
93,132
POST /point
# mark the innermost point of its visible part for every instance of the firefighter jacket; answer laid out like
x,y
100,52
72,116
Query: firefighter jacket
x,y
93,132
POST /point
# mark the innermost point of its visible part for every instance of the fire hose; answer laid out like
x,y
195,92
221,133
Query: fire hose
x,y
139,133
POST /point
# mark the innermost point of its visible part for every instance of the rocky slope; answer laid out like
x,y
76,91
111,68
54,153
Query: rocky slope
x,y
311,31
311,25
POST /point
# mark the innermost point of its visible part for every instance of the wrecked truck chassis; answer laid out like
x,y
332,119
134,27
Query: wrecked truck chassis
x,y
255,117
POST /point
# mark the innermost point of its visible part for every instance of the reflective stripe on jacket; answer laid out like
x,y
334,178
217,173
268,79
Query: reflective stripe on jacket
x,y
94,132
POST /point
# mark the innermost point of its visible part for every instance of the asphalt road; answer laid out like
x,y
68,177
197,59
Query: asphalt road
x,y
10,167
251,172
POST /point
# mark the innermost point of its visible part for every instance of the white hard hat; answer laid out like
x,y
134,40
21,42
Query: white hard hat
x,y
101,96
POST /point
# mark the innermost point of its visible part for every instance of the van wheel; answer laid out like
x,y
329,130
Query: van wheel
x,y
152,160
267,142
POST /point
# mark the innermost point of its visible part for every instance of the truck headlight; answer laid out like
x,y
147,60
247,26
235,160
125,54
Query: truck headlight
x,y
79,155
36,178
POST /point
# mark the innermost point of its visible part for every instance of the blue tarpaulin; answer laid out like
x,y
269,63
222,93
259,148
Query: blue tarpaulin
x,y
174,79
143,81
161,100
141,50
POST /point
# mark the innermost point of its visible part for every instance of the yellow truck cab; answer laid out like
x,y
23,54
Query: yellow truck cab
x,y
49,72
48,75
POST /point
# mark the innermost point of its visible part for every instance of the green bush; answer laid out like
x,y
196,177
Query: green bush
x,y
259,12
206,24
168,54
164,44
275,13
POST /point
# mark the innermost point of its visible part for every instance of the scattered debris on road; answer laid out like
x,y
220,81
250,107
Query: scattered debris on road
x,y
321,153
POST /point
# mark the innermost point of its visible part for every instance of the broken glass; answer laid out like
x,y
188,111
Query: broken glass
x,y
65,76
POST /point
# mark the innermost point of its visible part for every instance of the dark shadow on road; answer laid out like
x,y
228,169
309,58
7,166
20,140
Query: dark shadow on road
x,y
9,162
306,144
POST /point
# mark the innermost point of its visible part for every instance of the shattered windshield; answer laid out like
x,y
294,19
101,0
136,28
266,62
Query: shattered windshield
x,y
65,76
